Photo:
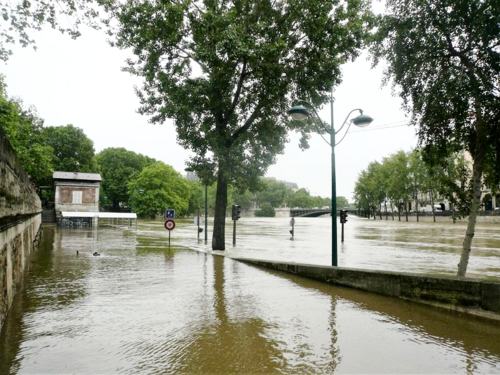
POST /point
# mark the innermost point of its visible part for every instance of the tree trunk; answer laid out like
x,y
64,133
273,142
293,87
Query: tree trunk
x,y
477,174
219,232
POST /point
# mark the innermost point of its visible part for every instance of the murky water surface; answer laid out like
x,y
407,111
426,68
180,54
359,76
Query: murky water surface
x,y
142,307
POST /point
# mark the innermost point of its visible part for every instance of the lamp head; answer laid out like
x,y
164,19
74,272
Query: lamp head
x,y
362,120
298,112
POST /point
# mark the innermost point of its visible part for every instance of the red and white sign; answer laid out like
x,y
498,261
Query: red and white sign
x,y
169,225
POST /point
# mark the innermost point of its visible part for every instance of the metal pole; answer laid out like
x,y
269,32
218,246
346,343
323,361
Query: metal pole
x,y
234,232
334,191
206,211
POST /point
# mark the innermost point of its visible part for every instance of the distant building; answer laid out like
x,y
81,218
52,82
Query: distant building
x,y
76,192
191,176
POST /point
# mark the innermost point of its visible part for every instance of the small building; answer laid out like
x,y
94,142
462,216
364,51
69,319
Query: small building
x,y
76,192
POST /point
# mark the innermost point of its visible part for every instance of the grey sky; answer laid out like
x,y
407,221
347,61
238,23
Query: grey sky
x,y
79,82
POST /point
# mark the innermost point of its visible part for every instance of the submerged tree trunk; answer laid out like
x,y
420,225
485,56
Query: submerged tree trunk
x,y
219,233
477,174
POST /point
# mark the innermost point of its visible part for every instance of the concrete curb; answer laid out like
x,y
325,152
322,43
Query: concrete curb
x,y
480,298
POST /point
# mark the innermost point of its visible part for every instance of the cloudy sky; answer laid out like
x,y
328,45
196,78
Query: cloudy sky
x,y
80,82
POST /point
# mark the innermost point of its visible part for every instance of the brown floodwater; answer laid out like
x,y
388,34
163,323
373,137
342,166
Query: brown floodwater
x,y
143,307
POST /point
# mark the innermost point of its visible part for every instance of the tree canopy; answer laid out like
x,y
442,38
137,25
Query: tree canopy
x,y
157,188
227,72
73,150
118,167
444,58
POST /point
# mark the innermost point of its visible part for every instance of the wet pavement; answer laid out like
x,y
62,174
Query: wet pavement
x,y
144,307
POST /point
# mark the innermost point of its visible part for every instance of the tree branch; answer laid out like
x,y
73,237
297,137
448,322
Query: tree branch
x,y
238,90
248,123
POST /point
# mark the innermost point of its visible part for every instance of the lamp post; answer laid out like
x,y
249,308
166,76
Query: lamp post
x,y
300,113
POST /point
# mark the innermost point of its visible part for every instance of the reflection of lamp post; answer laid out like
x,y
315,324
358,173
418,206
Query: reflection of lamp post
x,y
300,113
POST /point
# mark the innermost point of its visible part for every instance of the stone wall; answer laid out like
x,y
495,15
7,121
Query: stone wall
x,y
472,296
20,222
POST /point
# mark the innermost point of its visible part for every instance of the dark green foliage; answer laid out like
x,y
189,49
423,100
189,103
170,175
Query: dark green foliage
x,y
266,210
73,150
118,167
24,129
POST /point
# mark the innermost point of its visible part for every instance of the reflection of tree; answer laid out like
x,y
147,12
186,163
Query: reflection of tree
x,y
477,339
335,349
230,346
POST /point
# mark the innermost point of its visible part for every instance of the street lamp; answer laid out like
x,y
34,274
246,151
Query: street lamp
x,y
300,113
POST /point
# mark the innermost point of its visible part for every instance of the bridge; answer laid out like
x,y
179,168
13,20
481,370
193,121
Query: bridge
x,y
309,212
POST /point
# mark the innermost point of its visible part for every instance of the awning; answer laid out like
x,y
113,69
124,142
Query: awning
x,y
101,215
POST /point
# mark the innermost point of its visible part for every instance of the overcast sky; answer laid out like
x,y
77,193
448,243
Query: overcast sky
x,y
80,82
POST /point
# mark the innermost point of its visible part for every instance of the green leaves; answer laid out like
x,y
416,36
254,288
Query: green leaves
x,y
226,72
118,167
157,188
73,150
21,18
24,129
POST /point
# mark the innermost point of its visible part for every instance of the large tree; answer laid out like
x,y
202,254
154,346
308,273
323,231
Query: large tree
x,y
158,187
444,57
73,150
228,71
118,167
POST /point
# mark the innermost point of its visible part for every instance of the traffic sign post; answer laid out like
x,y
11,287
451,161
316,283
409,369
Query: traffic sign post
x,y
198,220
170,226
169,214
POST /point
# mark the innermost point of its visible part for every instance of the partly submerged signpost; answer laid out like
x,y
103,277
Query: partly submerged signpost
x,y
169,222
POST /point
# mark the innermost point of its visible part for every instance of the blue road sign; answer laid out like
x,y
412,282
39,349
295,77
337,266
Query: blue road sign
x,y
169,214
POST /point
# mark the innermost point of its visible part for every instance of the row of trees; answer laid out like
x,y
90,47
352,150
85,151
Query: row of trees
x,y
227,71
130,180
443,58
404,176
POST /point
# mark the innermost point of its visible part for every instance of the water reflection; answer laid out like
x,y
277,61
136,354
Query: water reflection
x,y
145,307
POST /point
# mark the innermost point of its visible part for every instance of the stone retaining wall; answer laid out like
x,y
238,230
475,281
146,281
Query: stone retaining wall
x,y
472,296
20,222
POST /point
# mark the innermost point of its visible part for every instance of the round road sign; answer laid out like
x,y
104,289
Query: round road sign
x,y
169,224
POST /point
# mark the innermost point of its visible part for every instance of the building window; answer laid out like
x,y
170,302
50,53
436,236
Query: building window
x,y
77,197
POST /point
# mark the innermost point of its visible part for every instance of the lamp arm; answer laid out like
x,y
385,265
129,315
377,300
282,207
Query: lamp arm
x,y
338,131
321,126
350,123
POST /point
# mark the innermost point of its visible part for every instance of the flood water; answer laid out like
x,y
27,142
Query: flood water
x,y
419,247
142,307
